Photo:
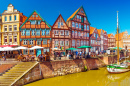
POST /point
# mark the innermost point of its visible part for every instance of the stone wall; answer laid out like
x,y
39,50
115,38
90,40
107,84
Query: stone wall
x,y
33,75
57,68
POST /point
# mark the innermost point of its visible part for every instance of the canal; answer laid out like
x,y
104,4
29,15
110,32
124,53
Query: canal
x,y
98,77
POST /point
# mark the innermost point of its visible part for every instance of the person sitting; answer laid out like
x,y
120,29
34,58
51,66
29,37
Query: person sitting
x,y
32,58
27,58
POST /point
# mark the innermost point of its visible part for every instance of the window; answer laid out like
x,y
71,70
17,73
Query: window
x,y
25,52
10,39
56,43
44,41
47,32
38,42
94,34
77,16
36,15
84,35
76,25
85,27
73,42
38,22
75,33
87,34
43,32
56,32
79,25
84,18
27,32
61,23
31,42
5,28
15,18
67,43
73,24
10,18
91,41
62,32
32,15
66,32
10,27
15,27
5,18
25,42
38,32
15,38
31,52
33,32
79,34
82,43
33,22
62,43
46,50
5,39
58,24
78,43
23,32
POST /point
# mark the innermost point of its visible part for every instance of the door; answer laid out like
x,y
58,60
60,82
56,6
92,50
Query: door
x,y
38,52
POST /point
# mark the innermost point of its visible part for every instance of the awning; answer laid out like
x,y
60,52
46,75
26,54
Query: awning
x,y
71,49
8,45
84,46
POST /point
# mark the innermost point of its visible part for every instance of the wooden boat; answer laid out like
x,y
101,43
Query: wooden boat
x,y
119,67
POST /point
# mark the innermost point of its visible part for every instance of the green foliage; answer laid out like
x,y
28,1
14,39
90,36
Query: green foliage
x,y
85,68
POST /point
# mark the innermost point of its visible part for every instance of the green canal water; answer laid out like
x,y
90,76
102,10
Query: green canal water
x,y
98,77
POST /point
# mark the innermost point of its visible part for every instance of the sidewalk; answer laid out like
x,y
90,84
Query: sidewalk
x,y
8,61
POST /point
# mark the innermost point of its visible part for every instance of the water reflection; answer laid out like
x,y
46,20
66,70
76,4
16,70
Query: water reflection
x,y
98,77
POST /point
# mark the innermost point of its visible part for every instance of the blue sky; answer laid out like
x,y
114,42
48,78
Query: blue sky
x,y
101,13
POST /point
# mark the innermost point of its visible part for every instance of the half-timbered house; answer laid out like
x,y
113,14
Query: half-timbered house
x,y
79,25
95,40
35,31
60,35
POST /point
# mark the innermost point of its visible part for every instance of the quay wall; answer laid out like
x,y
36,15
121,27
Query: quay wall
x,y
58,68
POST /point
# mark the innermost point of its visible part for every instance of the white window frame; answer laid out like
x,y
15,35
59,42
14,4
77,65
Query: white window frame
x,y
66,43
10,27
14,38
73,42
85,27
56,43
23,32
44,41
61,33
56,32
31,52
15,26
38,42
25,42
5,27
73,24
6,39
79,25
31,42
61,43
47,32
67,32
33,32
76,25
43,32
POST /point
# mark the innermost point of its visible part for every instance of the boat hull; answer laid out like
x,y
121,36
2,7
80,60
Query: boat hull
x,y
114,70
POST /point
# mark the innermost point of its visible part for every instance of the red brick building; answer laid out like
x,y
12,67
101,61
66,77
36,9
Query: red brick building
x,y
95,40
79,25
60,35
111,40
105,40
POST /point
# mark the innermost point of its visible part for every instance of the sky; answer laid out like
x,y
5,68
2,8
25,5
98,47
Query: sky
x,y
102,14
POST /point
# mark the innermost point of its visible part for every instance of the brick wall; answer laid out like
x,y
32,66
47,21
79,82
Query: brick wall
x,y
5,67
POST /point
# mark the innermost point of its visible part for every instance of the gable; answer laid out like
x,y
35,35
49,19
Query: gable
x,y
35,16
60,23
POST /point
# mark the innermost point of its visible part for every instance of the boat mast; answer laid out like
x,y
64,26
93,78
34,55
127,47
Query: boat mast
x,y
117,41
